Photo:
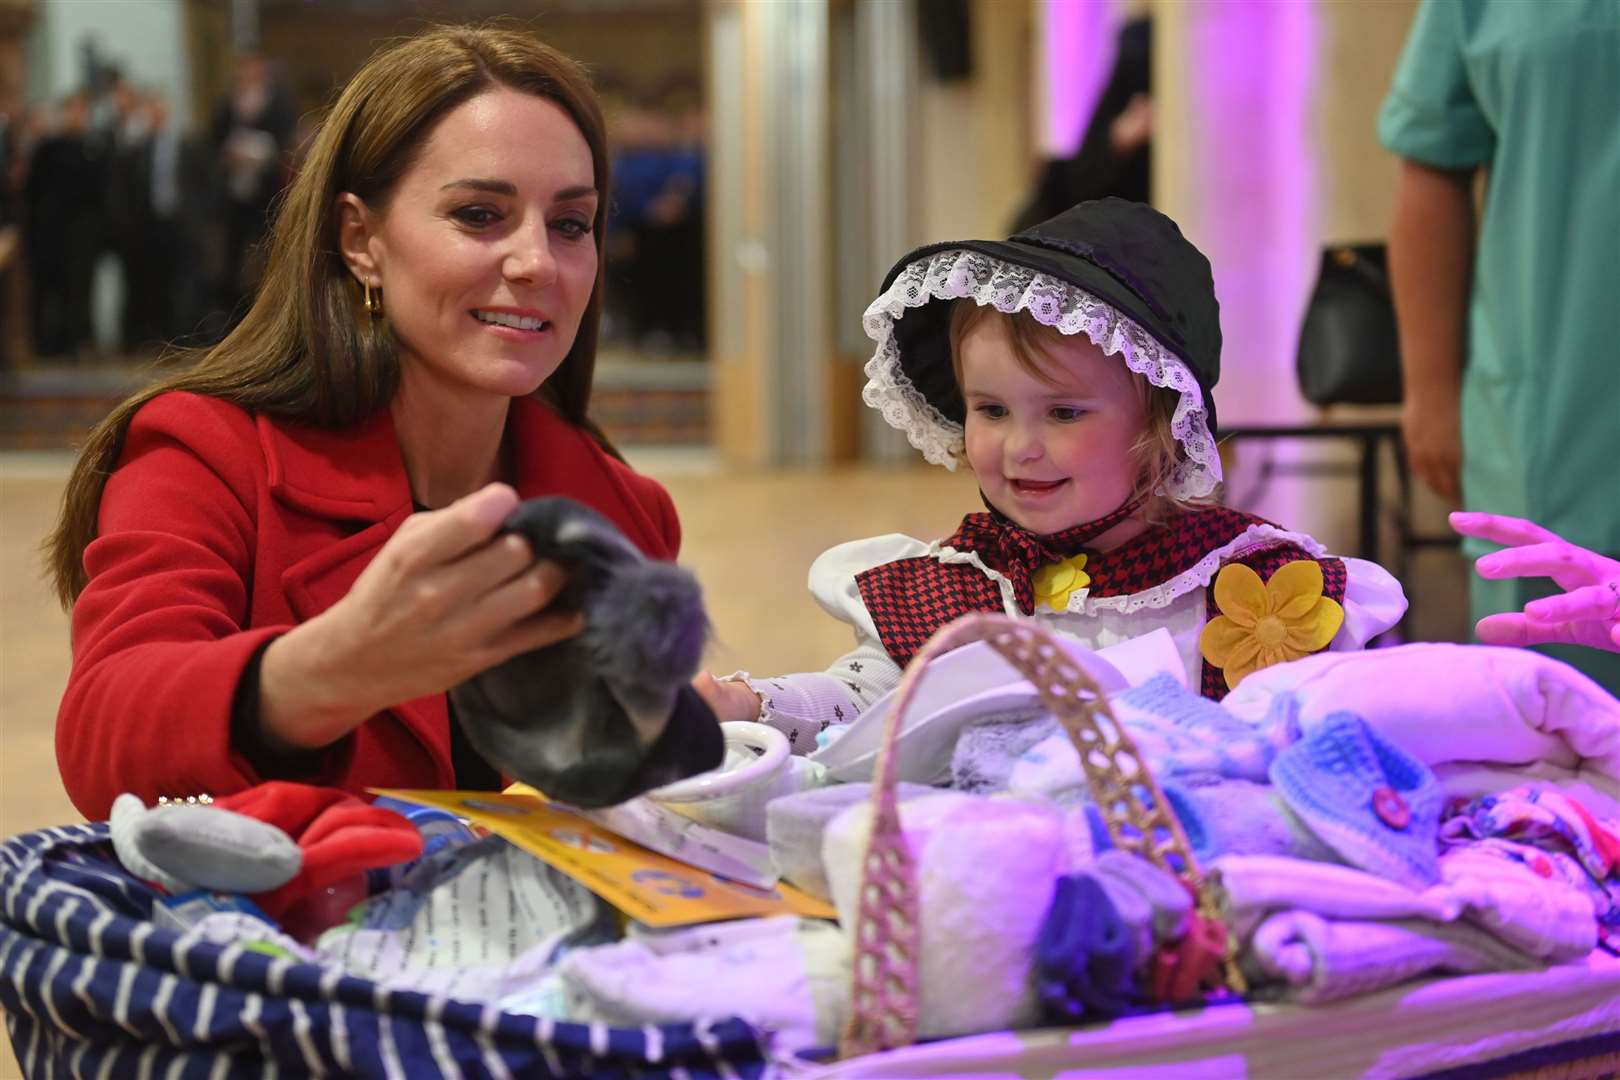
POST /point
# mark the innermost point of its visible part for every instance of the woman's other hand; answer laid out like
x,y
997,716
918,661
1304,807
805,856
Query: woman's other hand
x,y
729,699
1587,614
443,600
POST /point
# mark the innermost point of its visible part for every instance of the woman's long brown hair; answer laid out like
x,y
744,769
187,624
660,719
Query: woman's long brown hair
x,y
302,353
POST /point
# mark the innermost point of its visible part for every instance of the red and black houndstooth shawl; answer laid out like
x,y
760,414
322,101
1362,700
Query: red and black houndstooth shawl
x,y
909,599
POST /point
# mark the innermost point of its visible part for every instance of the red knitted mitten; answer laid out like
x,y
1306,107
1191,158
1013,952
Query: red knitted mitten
x,y
341,835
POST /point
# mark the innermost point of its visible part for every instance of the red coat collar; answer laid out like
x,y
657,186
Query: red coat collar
x,y
358,473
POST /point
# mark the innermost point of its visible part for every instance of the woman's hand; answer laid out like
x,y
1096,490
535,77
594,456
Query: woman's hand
x,y
442,601
729,699
1587,614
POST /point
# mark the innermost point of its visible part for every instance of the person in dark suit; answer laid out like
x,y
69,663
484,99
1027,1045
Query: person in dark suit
x,y
62,200
155,171
10,230
251,135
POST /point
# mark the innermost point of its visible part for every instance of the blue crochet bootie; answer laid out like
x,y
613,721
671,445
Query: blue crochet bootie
x,y
1374,804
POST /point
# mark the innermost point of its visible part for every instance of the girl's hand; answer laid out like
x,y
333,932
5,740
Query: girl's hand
x,y
730,700
1587,614
442,601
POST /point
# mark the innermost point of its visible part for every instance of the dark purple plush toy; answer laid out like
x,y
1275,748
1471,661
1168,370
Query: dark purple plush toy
x,y
604,716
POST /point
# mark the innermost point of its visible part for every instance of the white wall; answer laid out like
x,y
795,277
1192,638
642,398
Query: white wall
x,y
146,38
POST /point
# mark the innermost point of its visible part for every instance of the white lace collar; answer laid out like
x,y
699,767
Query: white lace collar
x,y
950,275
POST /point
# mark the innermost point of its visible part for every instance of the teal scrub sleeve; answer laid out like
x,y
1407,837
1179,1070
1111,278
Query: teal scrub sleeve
x,y
1431,114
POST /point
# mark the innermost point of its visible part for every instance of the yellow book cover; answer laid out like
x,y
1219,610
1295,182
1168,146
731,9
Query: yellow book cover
x,y
651,888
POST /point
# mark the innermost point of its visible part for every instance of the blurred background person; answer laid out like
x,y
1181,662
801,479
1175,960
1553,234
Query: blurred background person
x,y
1509,324
252,132
63,196
156,178
657,227
1116,152
670,232
11,119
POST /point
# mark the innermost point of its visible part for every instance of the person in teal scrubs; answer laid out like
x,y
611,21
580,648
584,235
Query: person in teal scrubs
x,y
1510,325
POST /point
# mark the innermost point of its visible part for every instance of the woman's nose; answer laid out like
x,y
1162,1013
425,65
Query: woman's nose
x,y
530,259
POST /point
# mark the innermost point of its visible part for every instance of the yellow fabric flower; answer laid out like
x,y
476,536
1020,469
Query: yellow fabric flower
x,y
1055,581
1263,624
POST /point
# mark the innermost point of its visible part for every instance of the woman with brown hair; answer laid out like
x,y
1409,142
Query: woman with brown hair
x,y
279,560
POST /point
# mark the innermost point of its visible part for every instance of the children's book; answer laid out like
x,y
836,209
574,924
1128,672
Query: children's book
x,y
651,888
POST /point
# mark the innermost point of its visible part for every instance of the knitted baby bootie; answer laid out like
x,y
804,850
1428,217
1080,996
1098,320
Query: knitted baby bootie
x,y
1374,804
610,713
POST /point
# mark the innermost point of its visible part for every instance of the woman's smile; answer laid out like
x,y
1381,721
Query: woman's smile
x,y
514,324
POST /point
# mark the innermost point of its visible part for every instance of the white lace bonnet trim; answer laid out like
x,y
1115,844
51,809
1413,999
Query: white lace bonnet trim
x,y
954,274
1197,576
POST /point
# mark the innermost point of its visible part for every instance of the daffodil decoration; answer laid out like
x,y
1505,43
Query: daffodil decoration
x,y
1261,624
1055,581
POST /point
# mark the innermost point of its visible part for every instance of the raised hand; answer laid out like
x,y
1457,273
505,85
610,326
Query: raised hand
x,y
1588,613
443,600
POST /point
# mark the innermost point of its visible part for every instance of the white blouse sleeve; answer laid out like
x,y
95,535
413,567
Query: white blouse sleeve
x,y
1373,602
832,577
801,706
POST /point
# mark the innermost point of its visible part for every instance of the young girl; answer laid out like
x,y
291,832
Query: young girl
x,y
1071,368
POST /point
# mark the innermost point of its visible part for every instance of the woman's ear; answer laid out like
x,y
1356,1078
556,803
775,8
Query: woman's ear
x,y
356,229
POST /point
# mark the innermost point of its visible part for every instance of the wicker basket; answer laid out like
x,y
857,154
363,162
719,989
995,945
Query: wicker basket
x,y
884,995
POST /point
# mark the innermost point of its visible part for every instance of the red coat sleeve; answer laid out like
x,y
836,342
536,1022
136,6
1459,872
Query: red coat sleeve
x,y
661,508
159,635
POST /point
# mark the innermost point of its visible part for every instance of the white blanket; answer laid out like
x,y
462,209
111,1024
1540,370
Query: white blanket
x,y
1483,718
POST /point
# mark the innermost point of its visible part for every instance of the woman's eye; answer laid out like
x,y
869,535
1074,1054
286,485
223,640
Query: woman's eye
x,y
573,228
476,216
1067,414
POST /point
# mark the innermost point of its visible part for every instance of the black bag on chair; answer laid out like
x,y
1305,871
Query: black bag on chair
x,y
1349,352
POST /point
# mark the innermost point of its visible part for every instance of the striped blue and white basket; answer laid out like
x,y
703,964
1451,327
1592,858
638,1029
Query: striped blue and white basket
x,y
91,988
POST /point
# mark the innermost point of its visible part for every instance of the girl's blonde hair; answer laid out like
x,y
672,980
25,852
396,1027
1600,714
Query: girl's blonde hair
x,y
304,352
1156,452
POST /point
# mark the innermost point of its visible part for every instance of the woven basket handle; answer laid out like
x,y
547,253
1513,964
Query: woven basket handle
x,y
884,994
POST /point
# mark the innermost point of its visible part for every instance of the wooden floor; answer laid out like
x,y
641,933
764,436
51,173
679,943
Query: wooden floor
x,y
750,537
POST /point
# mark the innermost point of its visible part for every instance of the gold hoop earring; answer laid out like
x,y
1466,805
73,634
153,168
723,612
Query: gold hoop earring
x,y
372,299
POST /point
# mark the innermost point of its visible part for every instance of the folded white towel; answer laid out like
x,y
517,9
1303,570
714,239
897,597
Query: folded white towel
x,y
1251,885
1325,960
986,871
786,975
796,824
